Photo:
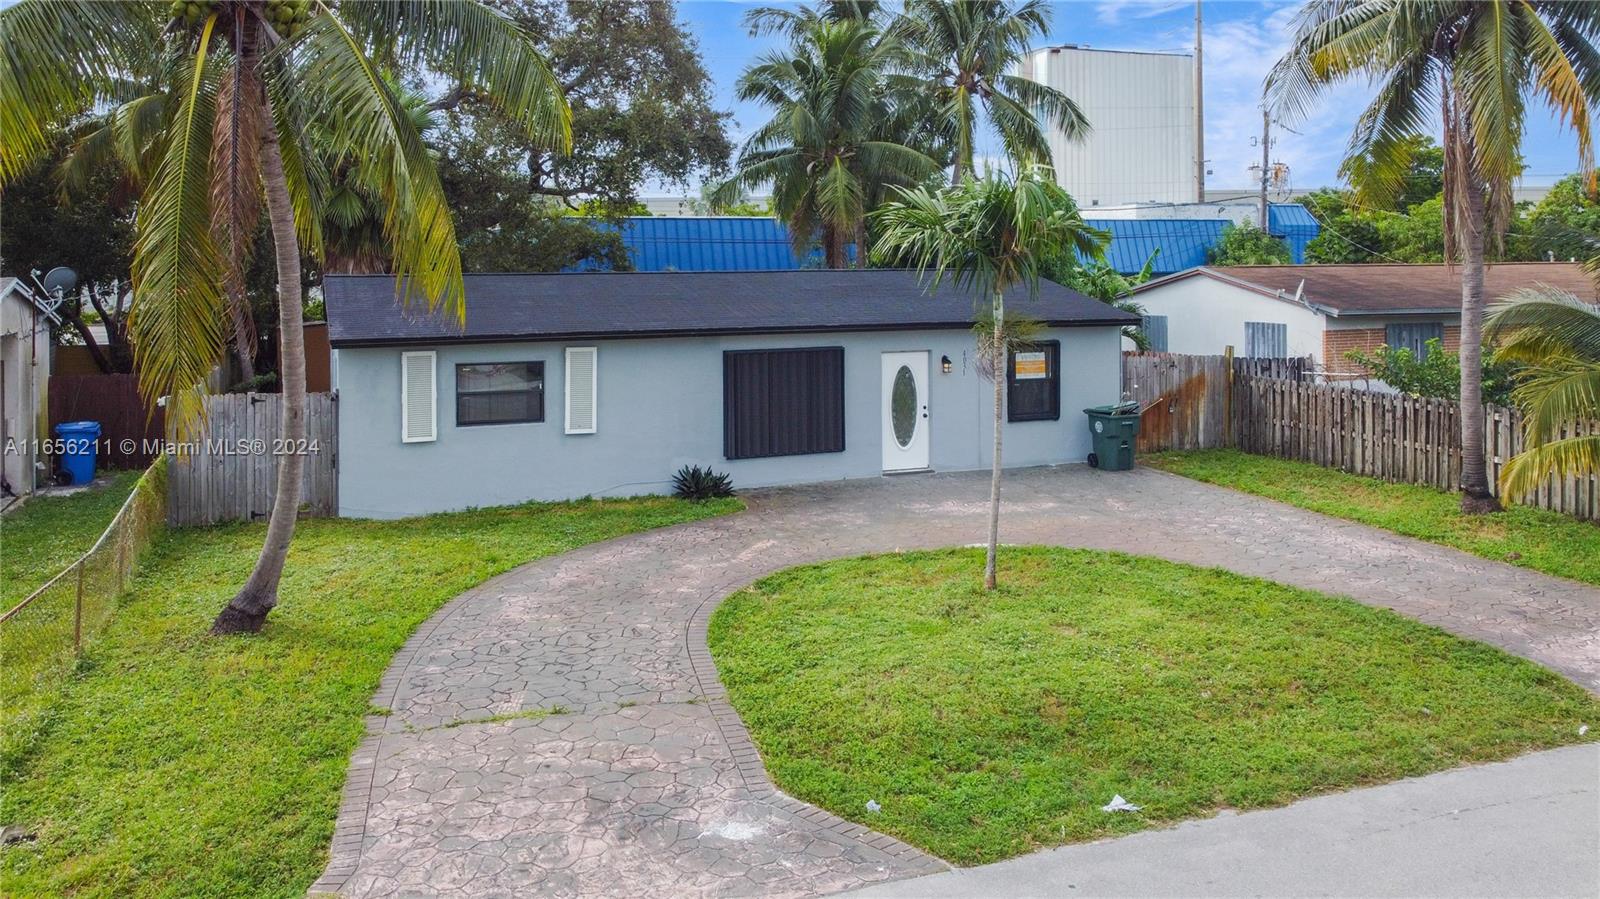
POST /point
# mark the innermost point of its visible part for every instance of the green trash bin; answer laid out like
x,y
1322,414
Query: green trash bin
x,y
1111,430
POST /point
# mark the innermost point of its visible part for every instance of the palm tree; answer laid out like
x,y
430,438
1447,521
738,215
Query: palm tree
x,y
988,237
1474,65
965,53
244,82
1558,336
829,147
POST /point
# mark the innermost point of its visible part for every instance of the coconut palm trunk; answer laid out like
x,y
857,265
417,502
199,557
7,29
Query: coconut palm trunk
x,y
1475,494
248,609
998,349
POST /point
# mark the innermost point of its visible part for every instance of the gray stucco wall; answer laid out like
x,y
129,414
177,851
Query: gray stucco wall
x,y
660,407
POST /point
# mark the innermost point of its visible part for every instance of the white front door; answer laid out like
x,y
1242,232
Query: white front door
x,y
905,411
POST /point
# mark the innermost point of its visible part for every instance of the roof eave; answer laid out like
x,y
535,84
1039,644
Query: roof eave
x,y
1120,319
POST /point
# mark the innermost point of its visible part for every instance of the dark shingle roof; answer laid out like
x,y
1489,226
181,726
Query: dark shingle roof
x,y
362,308
1390,288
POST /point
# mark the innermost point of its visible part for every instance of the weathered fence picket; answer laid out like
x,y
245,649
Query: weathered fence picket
x,y
230,472
1271,410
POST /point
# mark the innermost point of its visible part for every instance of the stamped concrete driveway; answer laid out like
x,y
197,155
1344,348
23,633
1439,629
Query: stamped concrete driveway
x,y
646,782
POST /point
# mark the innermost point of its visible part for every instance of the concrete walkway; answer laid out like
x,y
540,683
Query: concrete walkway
x,y
1528,827
647,783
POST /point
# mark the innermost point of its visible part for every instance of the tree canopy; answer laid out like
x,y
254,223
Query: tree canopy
x,y
1245,244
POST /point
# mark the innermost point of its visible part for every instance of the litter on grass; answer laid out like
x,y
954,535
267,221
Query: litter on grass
x,y
873,806
1118,804
1583,729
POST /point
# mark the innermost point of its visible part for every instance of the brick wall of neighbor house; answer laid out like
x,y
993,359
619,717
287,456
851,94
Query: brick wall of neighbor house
x,y
1337,342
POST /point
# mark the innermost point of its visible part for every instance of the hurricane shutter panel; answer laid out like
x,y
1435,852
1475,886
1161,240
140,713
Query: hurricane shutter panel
x,y
582,389
1155,330
418,397
1414,337
1266,340
782,402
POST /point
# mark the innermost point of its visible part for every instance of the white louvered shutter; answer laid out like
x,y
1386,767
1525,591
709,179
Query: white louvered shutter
x,y
418,398
582,389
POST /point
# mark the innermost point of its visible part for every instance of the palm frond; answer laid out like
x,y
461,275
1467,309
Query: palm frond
x,y
1568,457
57,58
176,319
357,105
307,180
486,50
1534,324
1555,393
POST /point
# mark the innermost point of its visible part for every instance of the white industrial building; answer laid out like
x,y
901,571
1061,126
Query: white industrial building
x,y
1141,108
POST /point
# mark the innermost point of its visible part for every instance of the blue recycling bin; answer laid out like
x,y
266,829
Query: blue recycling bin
x,y
80,441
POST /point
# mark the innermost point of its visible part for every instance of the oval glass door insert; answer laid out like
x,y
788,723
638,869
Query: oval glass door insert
x,y
903,406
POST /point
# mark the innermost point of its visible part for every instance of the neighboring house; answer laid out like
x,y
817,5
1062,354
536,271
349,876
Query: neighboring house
x,y
604,384
1324,311
750,243
24,377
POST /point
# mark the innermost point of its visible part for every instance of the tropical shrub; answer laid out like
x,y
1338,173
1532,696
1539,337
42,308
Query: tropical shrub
x,y
700,484
1248,245
1437,374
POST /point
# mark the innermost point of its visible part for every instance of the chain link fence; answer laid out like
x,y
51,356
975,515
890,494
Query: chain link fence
x,y
40,637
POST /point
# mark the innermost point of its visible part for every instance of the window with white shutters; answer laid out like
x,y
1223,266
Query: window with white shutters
x,y
582,389
1266,340
418,397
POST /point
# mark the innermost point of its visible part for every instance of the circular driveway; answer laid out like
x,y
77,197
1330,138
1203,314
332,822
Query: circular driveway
x,y
645,781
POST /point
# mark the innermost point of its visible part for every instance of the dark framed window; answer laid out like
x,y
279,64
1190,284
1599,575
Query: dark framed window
x,y
499,393
1266,340
1033,382
785,402
1414,337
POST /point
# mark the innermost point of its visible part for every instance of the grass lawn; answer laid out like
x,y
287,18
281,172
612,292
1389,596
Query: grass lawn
x,y
987,725
177,764
1533,538
49,532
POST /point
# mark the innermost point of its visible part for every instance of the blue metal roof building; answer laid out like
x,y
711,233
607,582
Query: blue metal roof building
x,y
736,243
1295,224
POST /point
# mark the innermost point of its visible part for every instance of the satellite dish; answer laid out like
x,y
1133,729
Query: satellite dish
x,y
59,281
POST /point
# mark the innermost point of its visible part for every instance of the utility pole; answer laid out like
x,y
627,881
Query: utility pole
x,y
1199,113
1266,159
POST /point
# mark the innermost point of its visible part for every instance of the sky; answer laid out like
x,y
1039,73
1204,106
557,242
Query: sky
x,y
1242,40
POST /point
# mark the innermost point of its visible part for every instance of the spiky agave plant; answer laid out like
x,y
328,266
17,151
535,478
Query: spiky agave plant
x,y
700,484
241,83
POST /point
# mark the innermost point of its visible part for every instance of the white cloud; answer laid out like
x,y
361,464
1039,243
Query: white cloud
x,y
1115,12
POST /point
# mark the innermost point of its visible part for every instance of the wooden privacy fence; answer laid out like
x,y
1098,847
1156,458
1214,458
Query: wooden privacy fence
x,y
231,471
1411,440
130,436
1273,409
1186,399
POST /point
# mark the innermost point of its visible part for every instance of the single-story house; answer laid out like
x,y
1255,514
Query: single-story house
x,y
1324,311
24,380
604,384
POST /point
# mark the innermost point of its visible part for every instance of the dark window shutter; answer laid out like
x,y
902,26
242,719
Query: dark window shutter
x,y
1155,331
1414,337
1266,340
1035,399
782,402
